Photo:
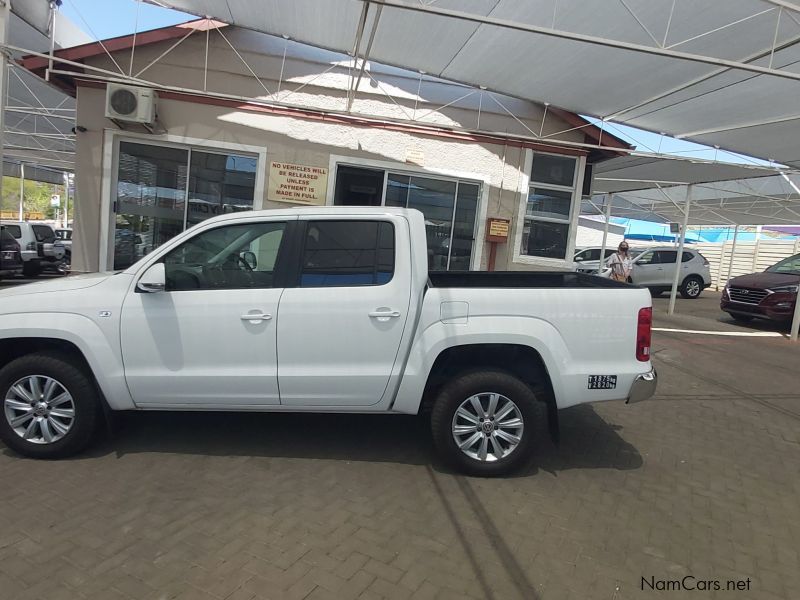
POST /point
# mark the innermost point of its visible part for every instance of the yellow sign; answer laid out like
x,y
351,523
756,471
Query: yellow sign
x,y
299,184
13,215
498,228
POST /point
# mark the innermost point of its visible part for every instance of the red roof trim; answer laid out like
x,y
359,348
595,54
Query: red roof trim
x,y
125,42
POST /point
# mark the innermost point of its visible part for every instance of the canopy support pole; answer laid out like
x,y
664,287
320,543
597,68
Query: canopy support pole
x,y
733,253
21,191
679,258
5,16
609,198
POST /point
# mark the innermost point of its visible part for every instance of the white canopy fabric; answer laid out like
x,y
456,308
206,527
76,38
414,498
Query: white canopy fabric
x,y
38,118
654,188
718,72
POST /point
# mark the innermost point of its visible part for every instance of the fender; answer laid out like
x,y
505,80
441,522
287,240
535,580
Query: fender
x,y
529,331
103,359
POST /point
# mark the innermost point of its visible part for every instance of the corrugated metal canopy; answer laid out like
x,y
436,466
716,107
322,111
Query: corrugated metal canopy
x,y
654,188
719,72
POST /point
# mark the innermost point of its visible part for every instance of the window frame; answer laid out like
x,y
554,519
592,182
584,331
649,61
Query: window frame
x,y
111,143
526,183
300,246
483,182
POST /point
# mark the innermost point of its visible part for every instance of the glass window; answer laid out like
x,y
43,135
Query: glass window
x,y
14,230
5,235
232,257
554,170
219,184
548,209
647,258
356,186
787,265
153,183
544,238
666,257
687,256
44,233
347,253
464,226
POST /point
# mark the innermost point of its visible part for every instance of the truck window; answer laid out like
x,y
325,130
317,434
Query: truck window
x,y
225,258
44,233
347,253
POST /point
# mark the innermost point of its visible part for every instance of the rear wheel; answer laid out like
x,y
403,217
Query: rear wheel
x,y
482,423
691,287
50,406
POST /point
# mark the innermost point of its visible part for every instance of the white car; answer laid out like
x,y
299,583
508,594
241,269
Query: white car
x,y
321,309
39,246
655,270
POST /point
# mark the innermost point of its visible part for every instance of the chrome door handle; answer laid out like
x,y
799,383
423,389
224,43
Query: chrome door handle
x,y
256,317
378,314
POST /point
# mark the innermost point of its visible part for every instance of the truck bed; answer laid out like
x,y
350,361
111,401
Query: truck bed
x,y
519,279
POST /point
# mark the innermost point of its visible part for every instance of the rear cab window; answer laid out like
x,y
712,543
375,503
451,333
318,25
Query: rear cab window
x,y
347,253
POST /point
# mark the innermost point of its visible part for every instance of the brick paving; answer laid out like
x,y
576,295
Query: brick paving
x,y
703,480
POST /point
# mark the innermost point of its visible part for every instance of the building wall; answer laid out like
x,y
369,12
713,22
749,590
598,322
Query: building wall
x,y
311,141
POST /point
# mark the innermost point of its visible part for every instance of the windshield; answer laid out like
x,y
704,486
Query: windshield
x,y
789,265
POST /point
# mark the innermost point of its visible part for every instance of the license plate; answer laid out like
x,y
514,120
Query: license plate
x,y
602,382
7,255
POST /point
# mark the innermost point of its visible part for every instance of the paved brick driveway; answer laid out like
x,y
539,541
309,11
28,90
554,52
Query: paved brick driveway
x,y
704,480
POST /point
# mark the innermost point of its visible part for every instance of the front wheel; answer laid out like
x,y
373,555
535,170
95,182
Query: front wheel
x,y
482,423
50,406
691,287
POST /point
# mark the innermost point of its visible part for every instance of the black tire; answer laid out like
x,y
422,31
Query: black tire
x,y
74,380
692,287
32,268
461,388
741,318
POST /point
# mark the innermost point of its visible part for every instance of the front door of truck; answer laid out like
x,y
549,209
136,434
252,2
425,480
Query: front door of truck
x,y
209,338
340,329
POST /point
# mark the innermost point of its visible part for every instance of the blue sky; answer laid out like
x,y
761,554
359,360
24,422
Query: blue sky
x,y
111,18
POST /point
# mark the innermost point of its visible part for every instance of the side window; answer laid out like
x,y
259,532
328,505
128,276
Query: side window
x,y
668,257
43,233
648,258
14,230
226,258
347,253
687,256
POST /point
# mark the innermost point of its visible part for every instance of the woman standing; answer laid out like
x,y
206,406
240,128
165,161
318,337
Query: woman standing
x,y
621,263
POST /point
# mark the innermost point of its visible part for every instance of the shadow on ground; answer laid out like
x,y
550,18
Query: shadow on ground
x,y
587,441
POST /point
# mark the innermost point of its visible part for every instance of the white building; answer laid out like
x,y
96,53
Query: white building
x,y
249,121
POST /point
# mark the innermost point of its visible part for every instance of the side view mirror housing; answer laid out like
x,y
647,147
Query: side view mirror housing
x,y
249,258
153,280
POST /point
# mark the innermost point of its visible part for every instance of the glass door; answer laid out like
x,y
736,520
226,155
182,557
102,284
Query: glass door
x,y
162,190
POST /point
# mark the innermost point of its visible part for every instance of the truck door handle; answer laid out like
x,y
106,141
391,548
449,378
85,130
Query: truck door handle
x,y
384,314
256,317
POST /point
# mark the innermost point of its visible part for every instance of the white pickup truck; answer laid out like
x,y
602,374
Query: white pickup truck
x,y
321,310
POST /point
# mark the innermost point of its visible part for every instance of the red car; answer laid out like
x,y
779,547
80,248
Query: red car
x,y
768,295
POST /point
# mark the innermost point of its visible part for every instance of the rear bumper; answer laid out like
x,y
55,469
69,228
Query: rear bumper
x,y
643,387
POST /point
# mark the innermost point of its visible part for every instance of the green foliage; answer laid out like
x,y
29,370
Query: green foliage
x,y
36,196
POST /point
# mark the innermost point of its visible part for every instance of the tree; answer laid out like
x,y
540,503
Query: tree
x,y
36,197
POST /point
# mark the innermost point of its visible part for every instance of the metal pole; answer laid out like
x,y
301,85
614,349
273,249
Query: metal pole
x,y
733,253
796,318
679,258
5,15
21,191
66,199
609,198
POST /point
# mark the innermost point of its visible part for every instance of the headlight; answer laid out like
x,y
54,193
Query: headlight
x,y
792,289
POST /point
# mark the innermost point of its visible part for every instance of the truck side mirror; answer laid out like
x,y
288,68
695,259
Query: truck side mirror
x,y
153,279
249,259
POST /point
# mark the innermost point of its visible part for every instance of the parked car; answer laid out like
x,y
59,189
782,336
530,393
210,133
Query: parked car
x,y
588,259
769,295
65,235
655,269
319,310
38,244
10,256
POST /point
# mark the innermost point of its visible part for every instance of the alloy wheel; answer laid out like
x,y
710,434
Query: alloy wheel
x,y
39,409
487,426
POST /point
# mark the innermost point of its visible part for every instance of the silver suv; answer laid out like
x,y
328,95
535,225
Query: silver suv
x,y
38,244
655,269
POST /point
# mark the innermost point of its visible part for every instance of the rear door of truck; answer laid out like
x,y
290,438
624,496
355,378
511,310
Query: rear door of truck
x,y
340,328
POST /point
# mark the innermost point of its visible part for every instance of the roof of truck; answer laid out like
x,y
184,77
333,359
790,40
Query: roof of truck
x,y
319,210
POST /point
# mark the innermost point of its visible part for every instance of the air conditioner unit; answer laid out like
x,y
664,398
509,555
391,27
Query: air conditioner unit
x,y
130,103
